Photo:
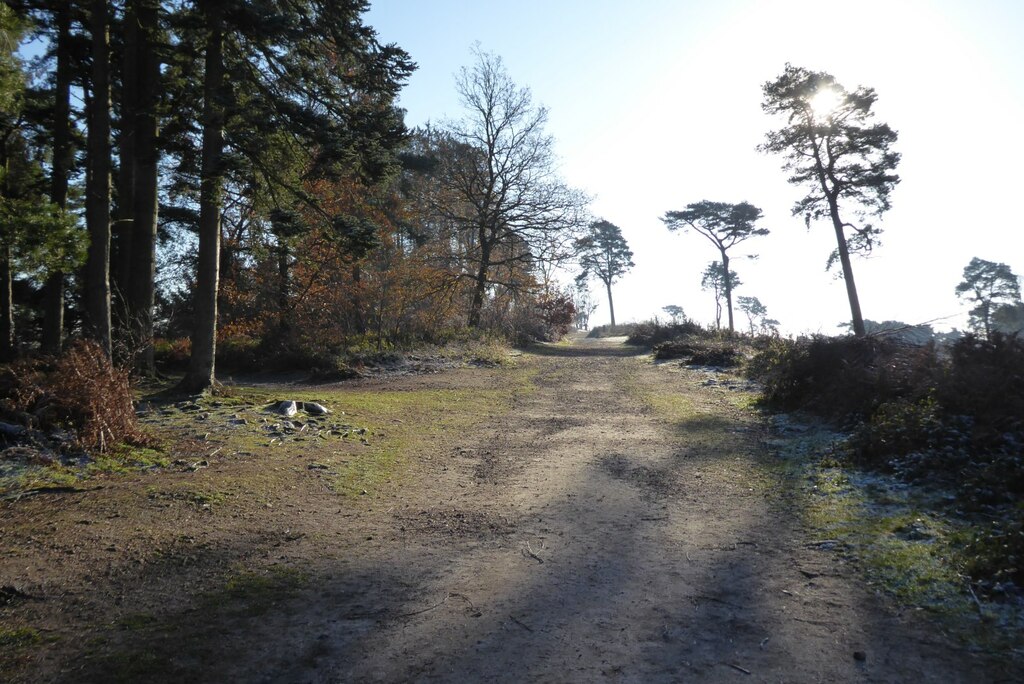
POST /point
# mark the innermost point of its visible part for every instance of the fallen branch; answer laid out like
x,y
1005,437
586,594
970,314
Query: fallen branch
x,y
974,596
527,551
718,600
519,622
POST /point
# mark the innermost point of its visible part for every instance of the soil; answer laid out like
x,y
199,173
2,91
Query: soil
x,y
617,521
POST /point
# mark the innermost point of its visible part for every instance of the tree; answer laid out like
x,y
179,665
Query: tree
x,y
988,285
97,184
715,278
583,301
604,254
140,89
499,174
754,309
675,312
293,92
833,150
36,236
1009,318
725,226
58,17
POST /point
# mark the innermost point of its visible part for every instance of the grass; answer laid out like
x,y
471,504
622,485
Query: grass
x,y
900,540
19,637
251,594
388,427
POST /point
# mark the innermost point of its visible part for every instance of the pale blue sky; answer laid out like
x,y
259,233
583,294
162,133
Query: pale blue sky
x,y
655,104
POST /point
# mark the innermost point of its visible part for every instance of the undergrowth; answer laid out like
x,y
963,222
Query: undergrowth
x,y
949,419
81,392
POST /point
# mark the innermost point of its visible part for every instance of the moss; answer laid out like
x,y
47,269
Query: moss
x,y
19,637
896,536
251,594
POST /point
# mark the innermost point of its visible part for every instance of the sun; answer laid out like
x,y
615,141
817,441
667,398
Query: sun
x,y
824,102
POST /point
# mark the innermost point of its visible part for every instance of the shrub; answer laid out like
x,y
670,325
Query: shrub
x,y
985,380
172,354
613,330
844,378
994,553
700,351
650,333
82,392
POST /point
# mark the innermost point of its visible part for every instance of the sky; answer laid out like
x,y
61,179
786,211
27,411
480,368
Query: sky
x,y
655,104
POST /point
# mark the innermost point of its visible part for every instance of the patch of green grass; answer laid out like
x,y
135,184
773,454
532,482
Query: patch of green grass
x,y
252,594
127,459
898,538
412,420
19,637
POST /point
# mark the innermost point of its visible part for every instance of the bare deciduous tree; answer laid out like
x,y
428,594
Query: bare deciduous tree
x,y
509,195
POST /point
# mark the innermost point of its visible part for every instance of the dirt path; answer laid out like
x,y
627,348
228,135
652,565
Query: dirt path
x,y
617,524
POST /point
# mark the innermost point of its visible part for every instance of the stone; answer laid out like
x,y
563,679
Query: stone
x,y
314,409
287,408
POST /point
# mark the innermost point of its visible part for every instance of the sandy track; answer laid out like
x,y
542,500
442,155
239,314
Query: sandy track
x,y
599,541
588,534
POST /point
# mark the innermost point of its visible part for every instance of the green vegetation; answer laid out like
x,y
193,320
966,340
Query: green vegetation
x,y
19,636
946,421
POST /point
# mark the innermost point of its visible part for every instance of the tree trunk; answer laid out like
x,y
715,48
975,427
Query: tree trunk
x,y
611,307
283,285
97,190
53,294
121,247
844,259
727,279
480,290
142,291
201,371
6,306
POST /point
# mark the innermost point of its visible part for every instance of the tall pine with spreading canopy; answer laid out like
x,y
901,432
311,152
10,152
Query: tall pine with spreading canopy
x,y
844,160
604,254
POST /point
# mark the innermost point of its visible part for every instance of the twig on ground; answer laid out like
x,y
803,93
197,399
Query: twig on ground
x,y
738,668
452,594
764,642
520,623
425,610
214,452
717,600
527,551
663,517
974,596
